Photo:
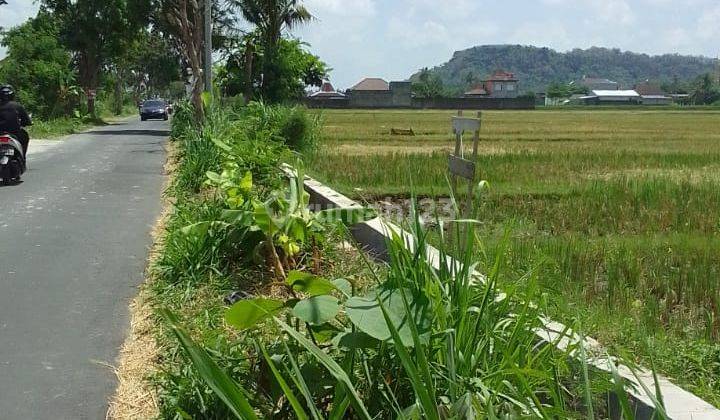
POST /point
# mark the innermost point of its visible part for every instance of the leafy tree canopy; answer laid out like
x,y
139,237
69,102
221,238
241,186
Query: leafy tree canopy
x,y
297,69
39,67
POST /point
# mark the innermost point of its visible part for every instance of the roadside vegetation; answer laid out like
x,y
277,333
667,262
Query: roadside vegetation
x,y
615,210
263,309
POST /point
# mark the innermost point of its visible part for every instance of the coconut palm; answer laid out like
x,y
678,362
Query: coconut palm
x,y
270,18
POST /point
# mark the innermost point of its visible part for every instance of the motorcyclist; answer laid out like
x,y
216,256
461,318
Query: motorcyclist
x,y
13,117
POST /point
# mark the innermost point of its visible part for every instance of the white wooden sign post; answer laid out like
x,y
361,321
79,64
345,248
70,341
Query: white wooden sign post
x,y
460,167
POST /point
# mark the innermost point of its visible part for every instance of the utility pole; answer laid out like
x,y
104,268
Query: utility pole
x,y
208,47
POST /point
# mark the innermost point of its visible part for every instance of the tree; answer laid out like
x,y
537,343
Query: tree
x,y
428,85
97,32
704,91
470,80
270,18
39,67
297,69
562,90
183,21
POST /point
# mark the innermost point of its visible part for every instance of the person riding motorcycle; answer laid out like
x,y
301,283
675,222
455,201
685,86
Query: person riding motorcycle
x,y
13,117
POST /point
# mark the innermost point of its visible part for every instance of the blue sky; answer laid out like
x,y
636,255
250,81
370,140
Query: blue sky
x,y
394,38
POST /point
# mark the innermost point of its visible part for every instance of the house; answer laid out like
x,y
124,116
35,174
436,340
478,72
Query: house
x,y
327,91
500,84
652,94
377,93
371,84
612,97
595,83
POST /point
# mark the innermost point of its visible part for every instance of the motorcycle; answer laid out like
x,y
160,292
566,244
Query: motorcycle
x,y
12,159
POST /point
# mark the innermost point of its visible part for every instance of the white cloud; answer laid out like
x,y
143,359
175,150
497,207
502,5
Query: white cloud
x,y
548,34
15,13
343,8
708,24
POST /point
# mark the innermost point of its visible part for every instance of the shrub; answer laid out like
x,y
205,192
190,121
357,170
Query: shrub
x,y
292,126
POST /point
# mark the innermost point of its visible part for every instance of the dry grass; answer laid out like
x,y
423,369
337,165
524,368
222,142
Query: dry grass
x,y
134,397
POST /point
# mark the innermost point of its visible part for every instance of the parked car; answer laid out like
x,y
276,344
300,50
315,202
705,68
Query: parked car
x,y
154,109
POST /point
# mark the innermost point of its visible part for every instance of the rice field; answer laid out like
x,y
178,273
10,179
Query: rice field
x,y
617,210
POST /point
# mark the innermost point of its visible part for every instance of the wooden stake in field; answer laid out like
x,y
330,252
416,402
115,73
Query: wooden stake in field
x,y
460,167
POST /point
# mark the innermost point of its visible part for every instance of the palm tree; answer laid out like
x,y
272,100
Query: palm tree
x,y
270,18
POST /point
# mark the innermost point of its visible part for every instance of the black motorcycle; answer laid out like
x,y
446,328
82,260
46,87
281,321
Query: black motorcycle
x,y
12,159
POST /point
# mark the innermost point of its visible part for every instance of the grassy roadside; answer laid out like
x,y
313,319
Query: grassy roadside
x,y
60,127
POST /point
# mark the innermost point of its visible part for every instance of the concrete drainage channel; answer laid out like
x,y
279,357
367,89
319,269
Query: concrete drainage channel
x,y
679,404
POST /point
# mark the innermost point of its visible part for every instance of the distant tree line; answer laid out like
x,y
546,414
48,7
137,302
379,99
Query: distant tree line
x,y
538,69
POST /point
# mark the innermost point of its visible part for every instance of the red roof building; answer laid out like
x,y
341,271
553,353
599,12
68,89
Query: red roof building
x,y
327,91
500,84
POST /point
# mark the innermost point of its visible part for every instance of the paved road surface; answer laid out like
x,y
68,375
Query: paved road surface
x,y
73,243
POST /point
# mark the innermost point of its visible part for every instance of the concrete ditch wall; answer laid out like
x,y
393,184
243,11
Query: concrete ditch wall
x,y
679,404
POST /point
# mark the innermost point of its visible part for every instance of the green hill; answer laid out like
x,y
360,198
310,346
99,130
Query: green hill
x,y
538,67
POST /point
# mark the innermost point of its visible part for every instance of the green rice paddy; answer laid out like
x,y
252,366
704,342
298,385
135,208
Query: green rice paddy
x,y
618,211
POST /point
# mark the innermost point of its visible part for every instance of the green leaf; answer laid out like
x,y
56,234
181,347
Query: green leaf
x,y
246,183
201,230
214,177
207,99
229,392
238,217
287,391
344,286
366,314
355,340
264,220
413,368
221,144
347,216
309,283
248,313
197,230
332,367
324,333
317,310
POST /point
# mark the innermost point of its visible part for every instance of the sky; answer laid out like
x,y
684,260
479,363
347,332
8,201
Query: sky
x,y
394,38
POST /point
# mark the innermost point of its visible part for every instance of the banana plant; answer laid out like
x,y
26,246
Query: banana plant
x,y
288,225
235,186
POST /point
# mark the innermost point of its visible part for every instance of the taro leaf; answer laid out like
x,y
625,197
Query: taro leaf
x,y
354,340
344,286
248,313
324,333
366,314
317,310
309,284
348,216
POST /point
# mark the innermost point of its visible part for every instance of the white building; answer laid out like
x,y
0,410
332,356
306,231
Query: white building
x,y
617,97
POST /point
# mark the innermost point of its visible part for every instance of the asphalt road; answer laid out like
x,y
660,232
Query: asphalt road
x,y
74,237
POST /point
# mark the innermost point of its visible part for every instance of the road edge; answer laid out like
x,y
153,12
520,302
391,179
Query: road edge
x,y
135,397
